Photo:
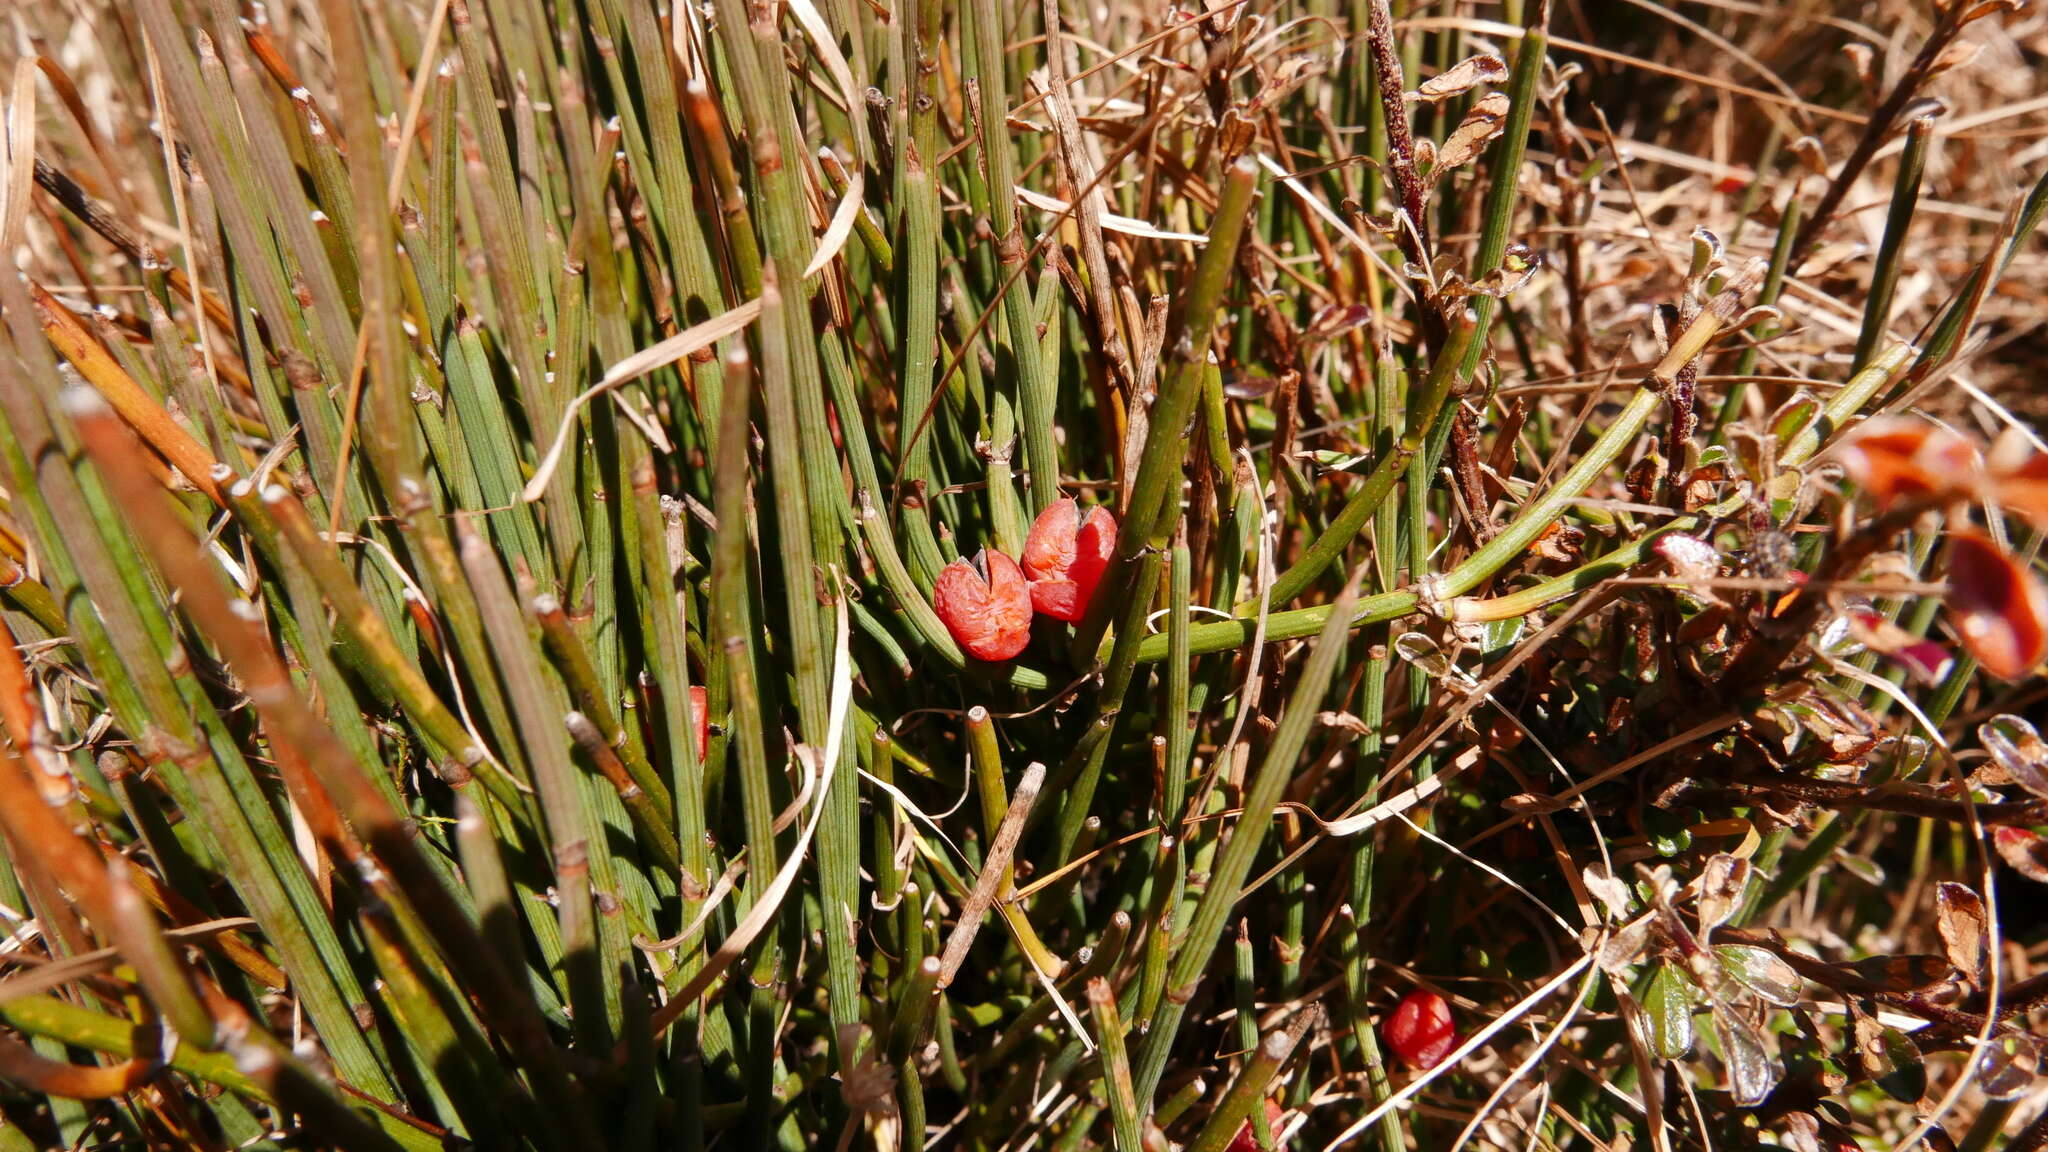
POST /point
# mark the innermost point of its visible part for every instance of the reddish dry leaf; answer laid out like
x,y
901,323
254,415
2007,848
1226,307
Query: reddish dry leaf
x,y
2024,487
1927,661
2023,851
2000,610
1894,458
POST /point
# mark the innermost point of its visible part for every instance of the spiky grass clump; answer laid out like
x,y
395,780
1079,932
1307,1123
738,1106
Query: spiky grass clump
x,y
477,474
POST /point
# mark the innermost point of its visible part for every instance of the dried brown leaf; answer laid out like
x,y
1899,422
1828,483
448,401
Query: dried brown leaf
x,y
1960,916
1486,120
1461,78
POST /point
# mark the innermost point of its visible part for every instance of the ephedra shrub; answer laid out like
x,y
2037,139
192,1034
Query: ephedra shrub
x,y
611,573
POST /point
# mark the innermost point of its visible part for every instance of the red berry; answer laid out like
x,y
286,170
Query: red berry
x,y
1419,1031
700,717
1065,556
989,615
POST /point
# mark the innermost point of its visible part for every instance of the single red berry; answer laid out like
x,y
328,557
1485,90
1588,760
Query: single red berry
x,y
1065,556
1419,1031
700,713
1733,182
990,615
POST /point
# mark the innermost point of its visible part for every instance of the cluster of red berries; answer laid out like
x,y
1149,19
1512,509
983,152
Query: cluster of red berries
x,y
987,605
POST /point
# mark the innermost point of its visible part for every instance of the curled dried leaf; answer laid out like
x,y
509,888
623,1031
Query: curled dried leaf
x,y
1560,543
2024,851
1486,120
1461,78
1722,883
1896,458
2022,485
1608,889
1927,661
2018,750
2000,609
1343,720
1960,916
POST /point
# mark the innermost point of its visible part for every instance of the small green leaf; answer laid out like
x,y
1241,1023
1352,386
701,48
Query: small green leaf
x,y
1501,635
1670,832
1794,415
1667,1002
1861,867
1906,1082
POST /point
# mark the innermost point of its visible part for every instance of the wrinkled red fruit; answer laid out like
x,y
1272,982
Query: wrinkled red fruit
x,y
2000,609
989,615
1065,556
700,718
1419,1031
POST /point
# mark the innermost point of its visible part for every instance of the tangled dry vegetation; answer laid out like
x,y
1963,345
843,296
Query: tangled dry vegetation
x,y
485,662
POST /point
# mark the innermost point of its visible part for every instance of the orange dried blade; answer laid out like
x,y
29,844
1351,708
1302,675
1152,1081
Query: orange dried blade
x,y
231,942
137,407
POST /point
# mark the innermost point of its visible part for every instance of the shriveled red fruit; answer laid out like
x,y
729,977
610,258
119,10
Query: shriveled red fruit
x,y
1065,555
2000,609
989,615
1419,1030
1899,457
700,713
